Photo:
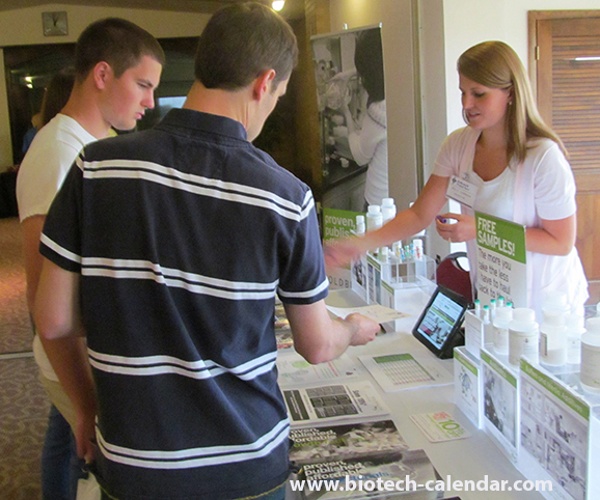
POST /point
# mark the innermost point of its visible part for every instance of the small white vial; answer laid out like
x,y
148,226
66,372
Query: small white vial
x,y
477,307
418,249
492,308
487,325
590,356
523,336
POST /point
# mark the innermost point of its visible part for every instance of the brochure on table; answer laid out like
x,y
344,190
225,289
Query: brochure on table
x,y
439,426
501,262
468,385
500,403
329,403
399,371
294,370
559,435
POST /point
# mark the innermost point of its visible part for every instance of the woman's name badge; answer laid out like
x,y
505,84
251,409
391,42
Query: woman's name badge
x,y
462,190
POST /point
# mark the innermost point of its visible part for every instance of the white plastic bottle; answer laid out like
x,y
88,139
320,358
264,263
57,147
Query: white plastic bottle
x,y
574,323
523,336
374,217
501,321
555,301
553,339
388,209
590,356
360,225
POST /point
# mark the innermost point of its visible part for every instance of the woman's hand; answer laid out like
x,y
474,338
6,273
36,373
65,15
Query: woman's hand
x,y
455,228
340,253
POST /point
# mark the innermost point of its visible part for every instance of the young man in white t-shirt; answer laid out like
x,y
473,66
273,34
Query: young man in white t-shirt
x,y
117,67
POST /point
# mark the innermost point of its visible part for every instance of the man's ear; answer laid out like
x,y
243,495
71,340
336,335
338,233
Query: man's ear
x,y
101,72
262,84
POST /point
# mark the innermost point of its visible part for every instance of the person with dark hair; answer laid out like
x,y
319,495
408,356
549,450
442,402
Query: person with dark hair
x,y
57,94
110,90
170,265
367,136
517,167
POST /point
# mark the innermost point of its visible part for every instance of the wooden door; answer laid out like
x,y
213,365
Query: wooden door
x,y
565,69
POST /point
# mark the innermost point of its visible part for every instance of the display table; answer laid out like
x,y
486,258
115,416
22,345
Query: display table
x,y
473,458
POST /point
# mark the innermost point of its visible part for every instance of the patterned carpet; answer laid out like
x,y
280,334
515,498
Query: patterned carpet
x,y
15,330
23,402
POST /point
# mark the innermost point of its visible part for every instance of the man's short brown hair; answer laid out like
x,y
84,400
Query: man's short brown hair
x,y
116,41
240,42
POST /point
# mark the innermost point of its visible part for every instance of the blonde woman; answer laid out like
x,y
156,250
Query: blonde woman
x,y
518,168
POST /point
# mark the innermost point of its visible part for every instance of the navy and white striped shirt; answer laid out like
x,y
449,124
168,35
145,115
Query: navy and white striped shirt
x,y
183,235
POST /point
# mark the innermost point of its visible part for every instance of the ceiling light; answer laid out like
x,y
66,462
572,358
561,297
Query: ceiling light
x,y
278,5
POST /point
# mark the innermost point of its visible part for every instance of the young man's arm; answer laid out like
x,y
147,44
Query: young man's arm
x,y
58,321
31,229
319,338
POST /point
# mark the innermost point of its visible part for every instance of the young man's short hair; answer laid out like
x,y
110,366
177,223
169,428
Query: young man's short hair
x,y
240,42
116,41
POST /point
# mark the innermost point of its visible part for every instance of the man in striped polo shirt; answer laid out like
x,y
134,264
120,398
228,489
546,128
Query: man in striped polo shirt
x,y
167,248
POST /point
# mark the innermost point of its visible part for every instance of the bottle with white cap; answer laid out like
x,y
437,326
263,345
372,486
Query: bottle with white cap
x,y
374,217
590,356
388,209
553,332
555,301
523,336
360,225
501,321
553,339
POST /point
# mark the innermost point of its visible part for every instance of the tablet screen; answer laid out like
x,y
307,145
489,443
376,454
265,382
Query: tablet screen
x,y
440,319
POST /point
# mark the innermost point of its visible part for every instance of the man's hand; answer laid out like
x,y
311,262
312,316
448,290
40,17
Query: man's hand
x,y
85,434
365,329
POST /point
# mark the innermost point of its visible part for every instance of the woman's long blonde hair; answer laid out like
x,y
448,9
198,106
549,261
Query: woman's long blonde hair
x,y
496,65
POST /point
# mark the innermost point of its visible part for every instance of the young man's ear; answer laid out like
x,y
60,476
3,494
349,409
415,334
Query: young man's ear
x,y
101,72
263,83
